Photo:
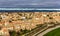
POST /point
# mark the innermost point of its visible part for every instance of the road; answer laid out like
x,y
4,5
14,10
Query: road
x,y
48,30
35,31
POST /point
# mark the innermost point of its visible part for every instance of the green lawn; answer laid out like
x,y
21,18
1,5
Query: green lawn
x,y
55,32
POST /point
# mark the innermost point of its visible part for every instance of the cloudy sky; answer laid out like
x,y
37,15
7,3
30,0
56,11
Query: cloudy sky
x,y
29,3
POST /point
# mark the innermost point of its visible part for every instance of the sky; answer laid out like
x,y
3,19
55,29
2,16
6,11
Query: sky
x,y
30,3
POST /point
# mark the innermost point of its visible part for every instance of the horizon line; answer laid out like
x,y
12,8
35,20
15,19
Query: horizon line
x,y
28,9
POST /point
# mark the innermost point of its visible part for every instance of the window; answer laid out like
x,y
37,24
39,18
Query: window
x,y
50,17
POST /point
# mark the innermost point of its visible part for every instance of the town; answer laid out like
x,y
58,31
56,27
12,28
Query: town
x,y
16,21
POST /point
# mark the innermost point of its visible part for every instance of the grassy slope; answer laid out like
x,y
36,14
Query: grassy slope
x,y
55,32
